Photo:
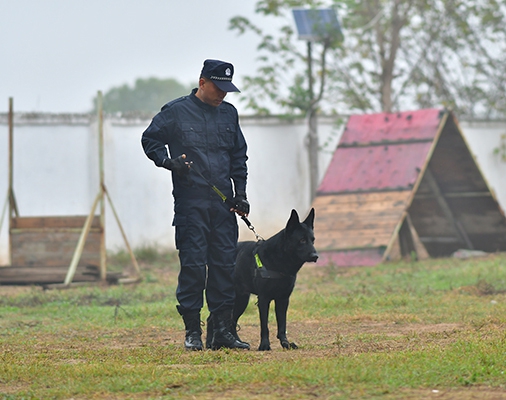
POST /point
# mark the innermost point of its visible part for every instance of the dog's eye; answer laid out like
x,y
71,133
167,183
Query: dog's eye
x,y
303,241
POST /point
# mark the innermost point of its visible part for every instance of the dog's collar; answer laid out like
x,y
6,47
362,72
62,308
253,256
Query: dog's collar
x,y
264,272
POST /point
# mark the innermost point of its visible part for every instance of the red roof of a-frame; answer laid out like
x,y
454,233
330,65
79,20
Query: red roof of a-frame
x,y
378,152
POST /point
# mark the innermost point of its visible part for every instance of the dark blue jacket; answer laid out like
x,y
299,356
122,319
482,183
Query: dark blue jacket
x,y
209,136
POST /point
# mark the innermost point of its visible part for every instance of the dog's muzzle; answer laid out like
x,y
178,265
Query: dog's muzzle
x,y
313,257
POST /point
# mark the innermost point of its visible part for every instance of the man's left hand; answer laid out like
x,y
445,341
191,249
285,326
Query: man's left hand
x,y
241,205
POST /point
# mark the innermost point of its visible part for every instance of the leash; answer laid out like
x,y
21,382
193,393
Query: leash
x,y
193,166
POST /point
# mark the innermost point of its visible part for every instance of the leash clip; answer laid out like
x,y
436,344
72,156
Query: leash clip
x,y
252,228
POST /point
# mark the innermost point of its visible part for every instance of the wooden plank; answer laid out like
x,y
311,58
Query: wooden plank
x,y
421,196
42,275
51,240
341,235
353,224
354,214
357,220
52,222
52,248
439,239
385,207
360,198
483,223
359,214
352,241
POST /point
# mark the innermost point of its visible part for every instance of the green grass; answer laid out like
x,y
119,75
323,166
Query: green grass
x,y
398,330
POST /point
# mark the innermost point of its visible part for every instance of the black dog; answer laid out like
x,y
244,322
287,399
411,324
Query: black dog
x,y
268,268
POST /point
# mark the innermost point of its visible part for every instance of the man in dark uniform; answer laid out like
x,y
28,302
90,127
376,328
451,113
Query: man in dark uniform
x,y
202,132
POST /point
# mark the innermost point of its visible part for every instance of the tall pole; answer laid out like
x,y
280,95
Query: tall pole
x,y
103,254
313,128
10,192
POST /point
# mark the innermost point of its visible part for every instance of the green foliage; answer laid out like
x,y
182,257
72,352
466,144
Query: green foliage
x,y
395,55
147,95
501,149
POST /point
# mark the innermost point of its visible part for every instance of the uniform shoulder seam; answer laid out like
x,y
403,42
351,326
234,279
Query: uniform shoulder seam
x,y
175,101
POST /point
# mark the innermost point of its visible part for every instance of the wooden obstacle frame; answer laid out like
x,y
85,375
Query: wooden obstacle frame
x,y
405,186
61,251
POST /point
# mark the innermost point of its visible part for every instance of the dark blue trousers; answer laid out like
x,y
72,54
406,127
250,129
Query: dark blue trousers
x,y
206,237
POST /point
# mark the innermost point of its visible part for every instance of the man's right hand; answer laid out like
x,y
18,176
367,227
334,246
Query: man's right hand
x,y
178,165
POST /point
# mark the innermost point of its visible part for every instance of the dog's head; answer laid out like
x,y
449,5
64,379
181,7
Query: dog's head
x,y
299,238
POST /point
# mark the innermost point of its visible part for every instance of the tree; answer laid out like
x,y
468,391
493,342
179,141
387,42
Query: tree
x,y
424,53
147,95
397,54
300,97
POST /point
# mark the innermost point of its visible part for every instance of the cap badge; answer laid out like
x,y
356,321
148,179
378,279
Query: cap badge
x,y
228,72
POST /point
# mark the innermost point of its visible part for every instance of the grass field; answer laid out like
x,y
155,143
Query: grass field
x,y
432,329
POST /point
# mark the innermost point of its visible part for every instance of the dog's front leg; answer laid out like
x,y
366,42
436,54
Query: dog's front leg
x,y
281,307
263,310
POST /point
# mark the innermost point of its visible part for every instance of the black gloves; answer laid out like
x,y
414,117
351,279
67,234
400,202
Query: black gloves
x,y
240,202
177,165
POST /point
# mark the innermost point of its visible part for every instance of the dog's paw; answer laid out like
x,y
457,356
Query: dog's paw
x,y
288,345
264,346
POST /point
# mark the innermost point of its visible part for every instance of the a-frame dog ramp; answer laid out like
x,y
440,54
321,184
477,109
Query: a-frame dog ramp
x,y
403,185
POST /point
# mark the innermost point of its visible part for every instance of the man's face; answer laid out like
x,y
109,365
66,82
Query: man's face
x,y
210,93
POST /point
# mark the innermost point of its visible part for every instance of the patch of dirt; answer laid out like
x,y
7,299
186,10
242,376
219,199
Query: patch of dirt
x,y
14,290
316,338
258,393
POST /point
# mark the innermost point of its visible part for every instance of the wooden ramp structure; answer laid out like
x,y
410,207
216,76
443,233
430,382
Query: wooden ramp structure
x,y
404,185
61,251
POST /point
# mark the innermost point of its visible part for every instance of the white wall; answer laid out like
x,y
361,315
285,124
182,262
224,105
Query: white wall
x,y
483,137
56,172
4,183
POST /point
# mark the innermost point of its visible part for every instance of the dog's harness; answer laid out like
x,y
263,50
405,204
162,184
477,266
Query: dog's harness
x,y
262,270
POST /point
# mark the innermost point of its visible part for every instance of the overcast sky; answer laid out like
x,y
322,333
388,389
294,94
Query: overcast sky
x,y
56,54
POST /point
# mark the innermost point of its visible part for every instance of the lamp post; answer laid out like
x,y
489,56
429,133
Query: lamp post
x,y
316,25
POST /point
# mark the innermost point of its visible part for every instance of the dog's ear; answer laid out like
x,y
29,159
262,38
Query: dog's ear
x,y
293,222
309,221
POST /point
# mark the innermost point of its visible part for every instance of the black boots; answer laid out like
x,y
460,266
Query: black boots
x,y
222,332
193,333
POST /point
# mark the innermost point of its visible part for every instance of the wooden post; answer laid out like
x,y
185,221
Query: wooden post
x,y
420,249
103,252
80,243
10,197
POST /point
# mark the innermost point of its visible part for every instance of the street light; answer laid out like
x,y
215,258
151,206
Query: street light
x,y
322,26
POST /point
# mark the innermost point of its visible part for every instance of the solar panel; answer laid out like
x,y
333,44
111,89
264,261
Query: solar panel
x,y
317,24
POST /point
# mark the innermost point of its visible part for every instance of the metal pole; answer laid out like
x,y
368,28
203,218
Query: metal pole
x,y
313,129
103,254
